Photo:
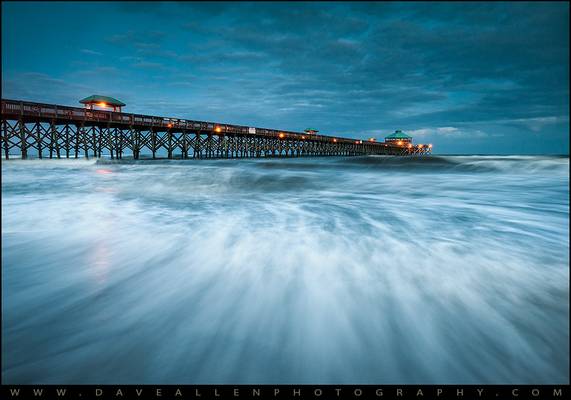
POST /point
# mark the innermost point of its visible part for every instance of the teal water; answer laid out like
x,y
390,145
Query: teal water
x,y
318,270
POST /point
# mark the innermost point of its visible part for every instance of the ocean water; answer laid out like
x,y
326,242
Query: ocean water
x,y
319,270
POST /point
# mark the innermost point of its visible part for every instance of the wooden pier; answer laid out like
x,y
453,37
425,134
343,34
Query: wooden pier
x,y
55,131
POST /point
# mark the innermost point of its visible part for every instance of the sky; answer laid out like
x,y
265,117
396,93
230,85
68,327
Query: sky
x,y
470,78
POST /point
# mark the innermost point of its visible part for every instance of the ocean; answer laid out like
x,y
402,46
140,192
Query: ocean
x,y
382,270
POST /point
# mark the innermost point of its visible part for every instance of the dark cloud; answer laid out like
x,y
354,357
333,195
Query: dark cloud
x,y
453,73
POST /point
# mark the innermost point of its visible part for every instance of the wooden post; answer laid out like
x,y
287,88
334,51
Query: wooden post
x,y
39,140
184,148
23,140
135,141
196,149
99,139
169,149
110,141
66,140
76,147
120,144
85,142
56,136
94,140
153,142
5,137
209,150
52,123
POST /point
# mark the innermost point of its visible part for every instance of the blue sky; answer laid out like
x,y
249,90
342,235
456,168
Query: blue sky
x,y
467,77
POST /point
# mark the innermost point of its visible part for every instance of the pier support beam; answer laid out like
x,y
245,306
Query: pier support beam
x,y
23,140
5,139
39,139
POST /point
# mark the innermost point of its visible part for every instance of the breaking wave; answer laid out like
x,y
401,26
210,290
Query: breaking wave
x,y
444,269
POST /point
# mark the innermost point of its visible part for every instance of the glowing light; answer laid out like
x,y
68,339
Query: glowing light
x,y
420,146
430,146
281,135
334,140
371,139
169,125
409,145
102,104
399,142
303,137
218,129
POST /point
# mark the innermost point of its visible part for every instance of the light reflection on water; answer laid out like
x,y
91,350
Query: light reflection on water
x,y
357,270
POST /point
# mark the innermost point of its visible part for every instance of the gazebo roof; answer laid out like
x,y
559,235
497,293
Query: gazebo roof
x,y
311,130
102,99
398,135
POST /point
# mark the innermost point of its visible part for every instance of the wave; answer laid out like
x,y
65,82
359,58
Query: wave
x,y
321,270
426,164
460,163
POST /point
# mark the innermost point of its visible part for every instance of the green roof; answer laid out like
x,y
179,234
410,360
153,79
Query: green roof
x,y
102,99
398,135
311,129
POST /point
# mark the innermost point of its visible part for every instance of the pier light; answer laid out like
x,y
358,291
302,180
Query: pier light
x,y
409,146
399,143
371,139
420,146
430,146
334,140
102,103
303,137
281,135
169,125
217,129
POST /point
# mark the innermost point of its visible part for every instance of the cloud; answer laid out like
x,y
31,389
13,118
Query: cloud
x,y
148,65
445,71
91,52
36,86
449,132
139,38
98,71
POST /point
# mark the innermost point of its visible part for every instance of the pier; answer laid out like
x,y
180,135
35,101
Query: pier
x,y
56,131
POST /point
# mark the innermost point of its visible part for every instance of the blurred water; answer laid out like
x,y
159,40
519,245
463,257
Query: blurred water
x,y
323,270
